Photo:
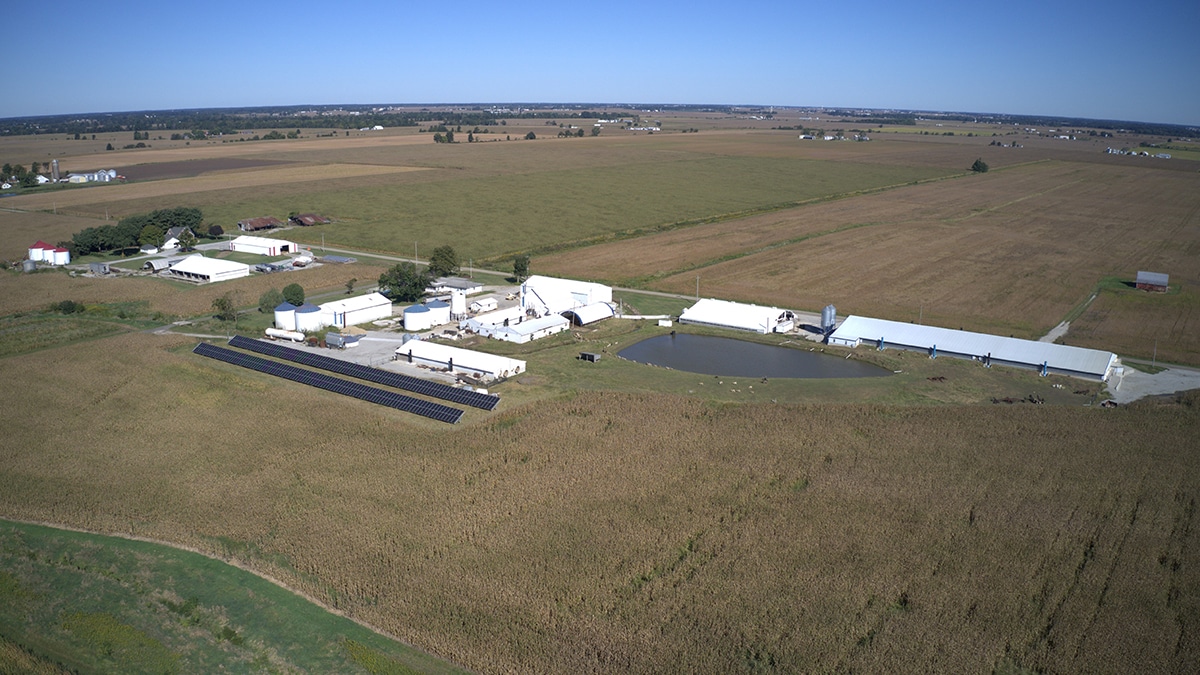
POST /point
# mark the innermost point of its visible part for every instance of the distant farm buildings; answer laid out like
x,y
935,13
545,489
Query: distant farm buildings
x,y
307,219
1152,281
102,176
261,223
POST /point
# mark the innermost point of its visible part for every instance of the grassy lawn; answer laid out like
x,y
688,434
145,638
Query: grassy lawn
x,y
104,604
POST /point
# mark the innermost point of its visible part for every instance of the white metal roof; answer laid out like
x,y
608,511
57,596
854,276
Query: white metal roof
x,y
1014,350
732,314
592,313
356,303
198,264
265,242
534,325
465,358
1152,278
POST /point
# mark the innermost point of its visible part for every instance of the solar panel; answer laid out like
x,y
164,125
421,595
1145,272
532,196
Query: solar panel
x,y
405,382
437,411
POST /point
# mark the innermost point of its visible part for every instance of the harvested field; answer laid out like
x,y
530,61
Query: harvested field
x,y
1010,251
190,168
1165,326
646,533
29,292
19,230
103,194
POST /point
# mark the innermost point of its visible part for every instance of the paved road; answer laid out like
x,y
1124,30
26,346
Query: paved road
x,y
1135,384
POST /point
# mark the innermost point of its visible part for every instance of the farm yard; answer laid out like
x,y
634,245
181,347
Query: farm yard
x,y
616,517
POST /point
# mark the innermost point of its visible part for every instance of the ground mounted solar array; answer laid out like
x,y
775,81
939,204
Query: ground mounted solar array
x,y
391,399
405,382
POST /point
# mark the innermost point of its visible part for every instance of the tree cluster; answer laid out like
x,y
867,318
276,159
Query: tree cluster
x,y
136,230
404,282
979,166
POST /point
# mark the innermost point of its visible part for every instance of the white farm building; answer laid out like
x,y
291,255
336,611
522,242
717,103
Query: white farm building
x,y
1091,364
527,330
262,245
723,314
444,357
548,295
338,313
203,270
353,311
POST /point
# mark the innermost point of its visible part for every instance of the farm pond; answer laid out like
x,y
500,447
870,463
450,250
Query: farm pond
x,y
710,355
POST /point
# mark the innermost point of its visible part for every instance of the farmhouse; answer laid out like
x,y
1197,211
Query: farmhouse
x,y
1152,281
484,305
353,311
548,295
203,270
262,223
476,364
1091,364
306,219
262,245
723,314
451,284
171,238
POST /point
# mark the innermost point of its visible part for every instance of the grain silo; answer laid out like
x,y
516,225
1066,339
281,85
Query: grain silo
x,y
439,312
308,318
828,319
285,316
417,318
458,305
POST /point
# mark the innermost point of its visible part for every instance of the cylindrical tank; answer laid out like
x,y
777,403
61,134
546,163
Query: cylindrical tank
x,y
285,316
828,317
417,317
61,256
285,334
308,317
458,304
439,312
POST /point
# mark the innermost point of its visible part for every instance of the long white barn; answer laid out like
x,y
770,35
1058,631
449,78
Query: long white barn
x,y
457,360
739,316
1091,364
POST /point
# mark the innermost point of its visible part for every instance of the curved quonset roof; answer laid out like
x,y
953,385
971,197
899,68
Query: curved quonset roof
x,y
590,313
1062,358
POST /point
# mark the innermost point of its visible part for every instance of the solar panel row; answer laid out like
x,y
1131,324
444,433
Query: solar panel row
x,y
390,399
405,382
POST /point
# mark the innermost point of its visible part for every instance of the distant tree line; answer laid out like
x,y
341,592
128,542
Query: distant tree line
x,y
149,228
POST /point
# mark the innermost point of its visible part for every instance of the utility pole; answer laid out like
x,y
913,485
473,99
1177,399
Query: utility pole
x,y
1154,359
697,288
415,259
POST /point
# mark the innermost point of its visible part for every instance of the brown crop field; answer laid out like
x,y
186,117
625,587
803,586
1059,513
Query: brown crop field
x,y
1010,251
19,230
606,532
613,517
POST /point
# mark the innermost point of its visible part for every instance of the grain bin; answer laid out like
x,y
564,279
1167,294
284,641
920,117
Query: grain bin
x,y
439,312
458,305
285,316
417,317
308,318
828,319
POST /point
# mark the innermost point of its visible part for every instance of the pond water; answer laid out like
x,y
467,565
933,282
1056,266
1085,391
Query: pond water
x,y
737,358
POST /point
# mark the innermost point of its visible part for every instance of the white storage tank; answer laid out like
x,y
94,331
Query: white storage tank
x,y
308,318
285,334
417,317
458,305
61,256
285,316
439,312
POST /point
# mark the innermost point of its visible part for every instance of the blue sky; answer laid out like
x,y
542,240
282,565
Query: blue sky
x,y
1099,59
